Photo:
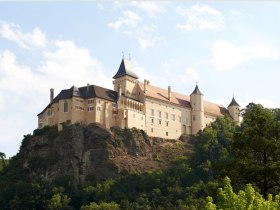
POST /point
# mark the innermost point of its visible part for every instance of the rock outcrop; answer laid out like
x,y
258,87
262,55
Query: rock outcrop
x,y
88,154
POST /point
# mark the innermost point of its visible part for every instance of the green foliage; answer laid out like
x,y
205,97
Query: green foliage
x,y
101,206
248,198
58,201
50,131
212,149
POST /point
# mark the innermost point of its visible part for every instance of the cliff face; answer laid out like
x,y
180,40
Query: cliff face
x,y
87,154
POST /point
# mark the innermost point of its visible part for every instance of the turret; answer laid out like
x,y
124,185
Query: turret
x,y
197,113
234,111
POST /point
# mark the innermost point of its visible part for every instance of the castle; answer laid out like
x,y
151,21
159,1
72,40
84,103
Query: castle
x,y
160,112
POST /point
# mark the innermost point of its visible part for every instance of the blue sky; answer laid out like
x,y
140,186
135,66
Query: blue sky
x,y
227,47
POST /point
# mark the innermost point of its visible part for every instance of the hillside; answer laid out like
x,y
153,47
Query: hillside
x,y
89,154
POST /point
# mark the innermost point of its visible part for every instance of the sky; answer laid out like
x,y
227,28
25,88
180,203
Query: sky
x,y
228,48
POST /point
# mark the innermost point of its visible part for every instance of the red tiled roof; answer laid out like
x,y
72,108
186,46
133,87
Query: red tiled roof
x,y
181,100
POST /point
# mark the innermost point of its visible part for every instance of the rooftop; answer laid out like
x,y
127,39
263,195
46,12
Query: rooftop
x,y
125,68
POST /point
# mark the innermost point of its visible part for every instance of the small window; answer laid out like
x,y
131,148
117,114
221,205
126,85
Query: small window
x,y
65,106
193,118
159,122
90,101
166,133
152,130
90,108
98,108
167,124
159,113
152,120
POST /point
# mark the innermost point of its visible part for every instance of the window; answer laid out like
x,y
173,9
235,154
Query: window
x,y
79,108
152,112
65,106
152,120
90,101
90,108
173,117
152,130
98,108
114,105
159,122
166,115
159,113
167,124
166,133
193,118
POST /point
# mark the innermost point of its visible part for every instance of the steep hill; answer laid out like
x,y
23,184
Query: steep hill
x,y
88,154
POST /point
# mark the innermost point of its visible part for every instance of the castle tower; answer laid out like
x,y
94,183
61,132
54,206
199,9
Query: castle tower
x,y
234,111
125,80
197,113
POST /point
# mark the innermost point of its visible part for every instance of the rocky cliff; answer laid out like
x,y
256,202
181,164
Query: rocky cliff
x,y
88,154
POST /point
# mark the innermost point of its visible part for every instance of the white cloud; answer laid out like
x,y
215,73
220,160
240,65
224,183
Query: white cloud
x,y
151,8
200,17
133,26
12,32
128,18
225,55
189,75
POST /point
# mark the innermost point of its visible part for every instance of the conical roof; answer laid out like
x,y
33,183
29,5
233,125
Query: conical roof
x,y
196,91
233,102
125,69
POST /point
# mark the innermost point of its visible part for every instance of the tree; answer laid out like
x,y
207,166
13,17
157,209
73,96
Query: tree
x,y
211,149
58,201
256,148
2,157
248,198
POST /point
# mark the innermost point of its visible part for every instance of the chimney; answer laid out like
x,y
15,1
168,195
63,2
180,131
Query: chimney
x,y
146,83
169,93
51,94
87,87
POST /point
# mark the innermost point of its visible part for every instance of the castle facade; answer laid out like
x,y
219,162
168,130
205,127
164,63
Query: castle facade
x,y
159,112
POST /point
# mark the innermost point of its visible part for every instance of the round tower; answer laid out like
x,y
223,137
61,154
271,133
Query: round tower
x,y
197,113
234,111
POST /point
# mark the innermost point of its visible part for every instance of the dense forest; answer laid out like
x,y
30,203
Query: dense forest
x,y
229,167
